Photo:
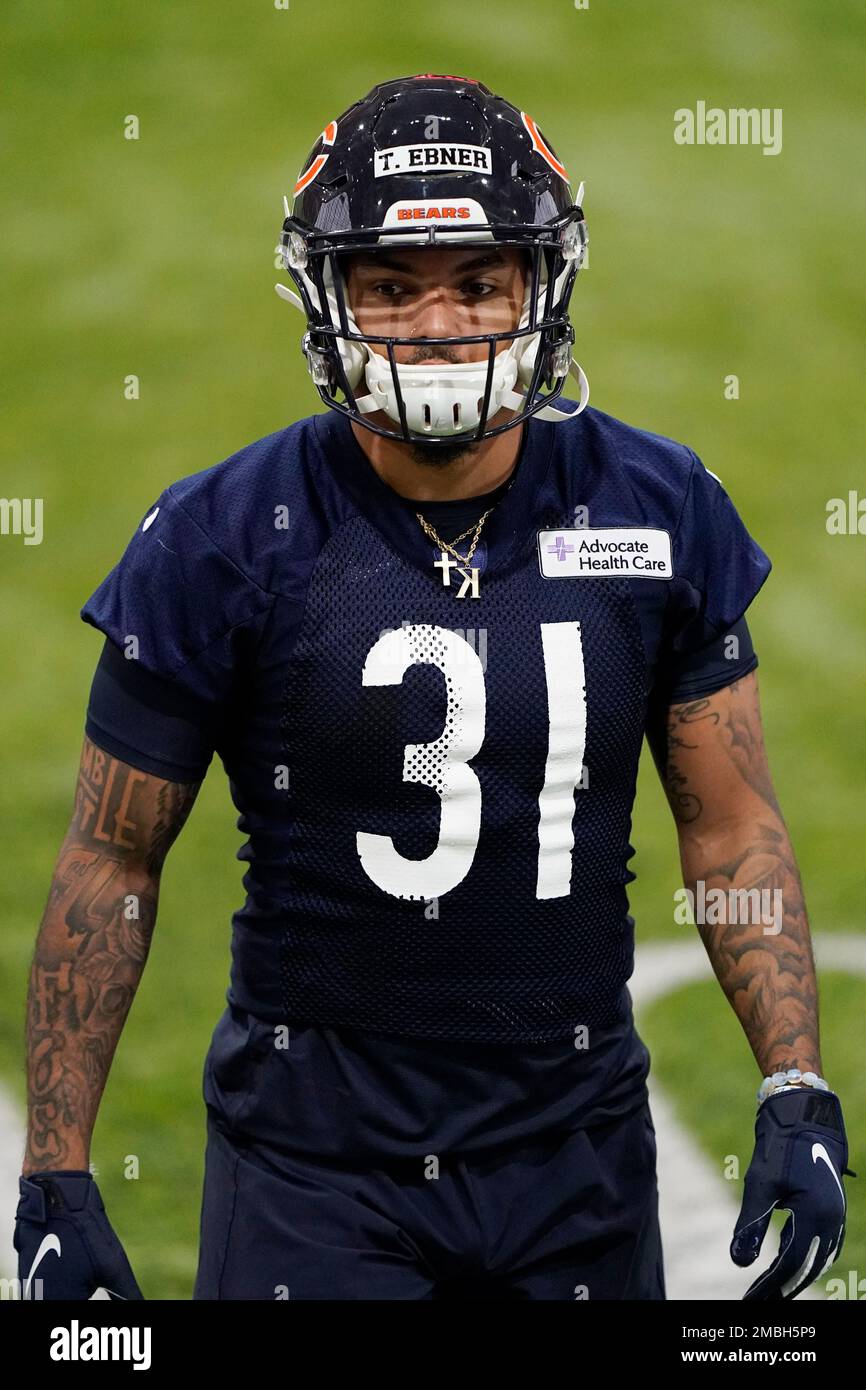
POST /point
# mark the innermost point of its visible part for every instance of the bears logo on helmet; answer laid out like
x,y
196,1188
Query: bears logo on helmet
x,y
327,137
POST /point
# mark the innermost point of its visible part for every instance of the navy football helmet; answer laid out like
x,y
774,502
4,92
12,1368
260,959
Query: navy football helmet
x,y
435,160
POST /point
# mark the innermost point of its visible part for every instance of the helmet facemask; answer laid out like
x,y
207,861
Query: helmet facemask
x,y
440,402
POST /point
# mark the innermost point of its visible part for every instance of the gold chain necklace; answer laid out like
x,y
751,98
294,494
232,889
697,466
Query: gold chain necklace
x,y
462,563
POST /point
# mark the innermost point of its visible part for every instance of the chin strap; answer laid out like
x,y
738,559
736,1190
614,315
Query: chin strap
x,y
551,412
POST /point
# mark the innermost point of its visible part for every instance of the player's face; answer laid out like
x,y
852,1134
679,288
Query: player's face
x,y
437,292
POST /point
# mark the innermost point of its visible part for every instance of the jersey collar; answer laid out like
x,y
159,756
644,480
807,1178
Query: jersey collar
x,y
503,530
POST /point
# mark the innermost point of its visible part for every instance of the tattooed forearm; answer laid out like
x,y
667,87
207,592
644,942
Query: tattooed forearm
x,y
711,758
762,959
92,946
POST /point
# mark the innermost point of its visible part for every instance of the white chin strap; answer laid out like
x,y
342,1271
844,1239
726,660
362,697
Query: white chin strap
x,y
442,398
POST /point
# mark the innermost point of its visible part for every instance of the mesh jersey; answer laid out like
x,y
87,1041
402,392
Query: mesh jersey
x,y
437,814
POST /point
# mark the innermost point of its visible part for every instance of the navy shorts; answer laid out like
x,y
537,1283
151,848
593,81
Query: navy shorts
x,y
573,1217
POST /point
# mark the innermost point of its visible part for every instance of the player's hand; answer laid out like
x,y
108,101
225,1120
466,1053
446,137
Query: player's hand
x,y
64,1238
801,1152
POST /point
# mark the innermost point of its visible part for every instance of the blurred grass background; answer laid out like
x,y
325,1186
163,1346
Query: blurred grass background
x,y
155,257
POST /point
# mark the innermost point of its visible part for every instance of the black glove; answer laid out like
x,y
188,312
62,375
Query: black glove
x,y
64,1238
801,1152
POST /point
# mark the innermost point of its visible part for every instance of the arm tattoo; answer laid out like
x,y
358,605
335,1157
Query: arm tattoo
x,y
92,947
768,976
733,838
685,803
746,749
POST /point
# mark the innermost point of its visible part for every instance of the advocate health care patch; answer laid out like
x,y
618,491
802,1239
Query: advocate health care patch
x,y
638,552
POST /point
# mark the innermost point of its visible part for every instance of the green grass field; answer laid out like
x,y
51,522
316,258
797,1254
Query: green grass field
x,y
155,257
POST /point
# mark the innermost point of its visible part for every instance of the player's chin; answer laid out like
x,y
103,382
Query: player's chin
x,y
447,451
439,455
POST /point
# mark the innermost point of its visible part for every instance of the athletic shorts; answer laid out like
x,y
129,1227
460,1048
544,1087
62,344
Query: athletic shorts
x,y
572,1217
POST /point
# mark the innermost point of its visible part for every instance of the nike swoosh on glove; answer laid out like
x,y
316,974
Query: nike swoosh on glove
x,y
64,1238
801,1152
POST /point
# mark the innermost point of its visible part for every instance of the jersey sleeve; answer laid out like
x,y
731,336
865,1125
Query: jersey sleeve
x,y
151,723
718,567
691,675
178,605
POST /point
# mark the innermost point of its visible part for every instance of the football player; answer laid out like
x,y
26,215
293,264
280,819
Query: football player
x,y
426,631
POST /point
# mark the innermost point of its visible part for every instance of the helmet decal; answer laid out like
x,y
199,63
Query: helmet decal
x,y
447,212
327,137
541,147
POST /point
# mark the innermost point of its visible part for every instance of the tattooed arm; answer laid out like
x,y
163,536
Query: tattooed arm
x,y
92,946
711,759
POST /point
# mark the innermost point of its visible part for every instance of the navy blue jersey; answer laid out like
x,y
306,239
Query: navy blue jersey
x,y
436,791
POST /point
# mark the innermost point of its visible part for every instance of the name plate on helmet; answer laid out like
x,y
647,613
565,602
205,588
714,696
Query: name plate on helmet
x,y
431,157
636,552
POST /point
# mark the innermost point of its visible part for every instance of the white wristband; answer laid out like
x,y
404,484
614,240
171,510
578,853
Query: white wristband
x,y
784,1080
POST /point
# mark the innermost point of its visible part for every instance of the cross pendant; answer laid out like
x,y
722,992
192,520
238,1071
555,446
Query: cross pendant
x,y
470,576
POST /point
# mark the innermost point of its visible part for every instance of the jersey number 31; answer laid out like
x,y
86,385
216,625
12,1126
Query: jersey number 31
x,y
443,764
